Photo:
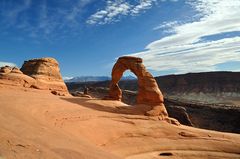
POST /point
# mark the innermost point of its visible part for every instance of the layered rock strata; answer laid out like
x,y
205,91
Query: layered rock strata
x,y
43,73
47,73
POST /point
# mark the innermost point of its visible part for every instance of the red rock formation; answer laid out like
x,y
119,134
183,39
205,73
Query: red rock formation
x,y
41,73
13,76
16,70
5,69
47,73
42,69
148,91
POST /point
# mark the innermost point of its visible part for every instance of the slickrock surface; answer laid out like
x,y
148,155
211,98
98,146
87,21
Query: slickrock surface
x,y
148,91
41,73
36,124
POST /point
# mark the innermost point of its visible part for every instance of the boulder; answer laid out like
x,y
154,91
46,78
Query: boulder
x,y
148,90
179,113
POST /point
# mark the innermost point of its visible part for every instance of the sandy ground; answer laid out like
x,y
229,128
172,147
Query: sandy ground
x,y
37,124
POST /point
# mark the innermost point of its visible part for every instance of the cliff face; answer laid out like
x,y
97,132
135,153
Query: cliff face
x,y
209,87
207,82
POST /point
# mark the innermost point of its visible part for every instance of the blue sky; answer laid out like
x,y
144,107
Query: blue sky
x,y
86,36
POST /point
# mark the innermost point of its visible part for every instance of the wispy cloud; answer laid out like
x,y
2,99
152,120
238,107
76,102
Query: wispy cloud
x,y
77,9
7,64
166,25
45,19
110,13
40,19
187,49
16,10
143,5
115,9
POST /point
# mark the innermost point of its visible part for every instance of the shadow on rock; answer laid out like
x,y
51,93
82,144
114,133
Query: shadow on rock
x,y
102,105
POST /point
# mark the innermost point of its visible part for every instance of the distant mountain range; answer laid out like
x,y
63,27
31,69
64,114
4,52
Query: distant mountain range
x,y
94,78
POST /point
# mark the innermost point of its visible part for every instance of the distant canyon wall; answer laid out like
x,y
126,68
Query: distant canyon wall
x,y
209,87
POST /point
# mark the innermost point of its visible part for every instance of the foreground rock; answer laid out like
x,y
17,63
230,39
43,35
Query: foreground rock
x,y
148,91
43,73
37,124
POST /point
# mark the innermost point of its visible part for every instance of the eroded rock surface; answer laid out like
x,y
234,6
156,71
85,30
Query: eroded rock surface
x,y
148,91
42,69
43,73
13,76
5,69
47,73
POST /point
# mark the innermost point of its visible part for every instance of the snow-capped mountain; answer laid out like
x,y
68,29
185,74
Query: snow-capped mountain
x,y
94,78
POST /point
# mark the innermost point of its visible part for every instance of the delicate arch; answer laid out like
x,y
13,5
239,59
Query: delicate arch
x,y
148,91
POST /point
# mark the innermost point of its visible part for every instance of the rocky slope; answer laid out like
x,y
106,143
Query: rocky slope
x,y
36,124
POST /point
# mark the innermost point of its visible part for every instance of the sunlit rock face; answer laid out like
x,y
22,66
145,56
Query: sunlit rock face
x,y
13,76
46,71
148,91
43,73
42,69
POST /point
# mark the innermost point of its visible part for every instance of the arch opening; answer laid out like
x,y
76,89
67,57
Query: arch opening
x,y
129,87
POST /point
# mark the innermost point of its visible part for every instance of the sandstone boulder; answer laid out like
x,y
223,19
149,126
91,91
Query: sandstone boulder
x,y
46,72
148,91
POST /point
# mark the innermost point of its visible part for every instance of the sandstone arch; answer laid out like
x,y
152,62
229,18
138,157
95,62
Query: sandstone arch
x,y
148,91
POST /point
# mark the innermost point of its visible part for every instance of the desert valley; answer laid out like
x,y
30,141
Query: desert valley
x,y
42,117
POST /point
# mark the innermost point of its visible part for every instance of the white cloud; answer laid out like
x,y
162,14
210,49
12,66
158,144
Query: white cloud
x,y
109,14
117,8
185,51
167,25
67,78
143,5
7,64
